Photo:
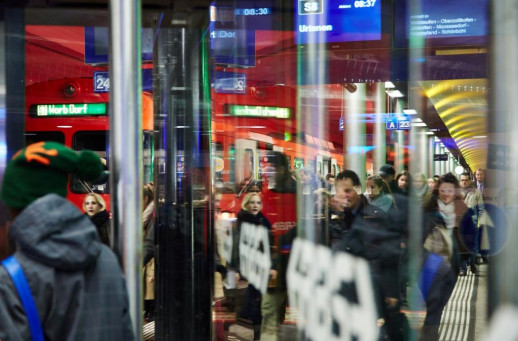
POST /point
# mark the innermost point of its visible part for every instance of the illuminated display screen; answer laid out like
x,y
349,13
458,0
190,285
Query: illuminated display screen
x,y
82,109
252,11
334,21
446,18
232,30
258,111
444,22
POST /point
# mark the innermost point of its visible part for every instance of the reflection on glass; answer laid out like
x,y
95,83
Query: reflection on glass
x,y
362,139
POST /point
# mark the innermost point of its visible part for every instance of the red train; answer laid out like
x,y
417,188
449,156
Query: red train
x,y
246,129
70,112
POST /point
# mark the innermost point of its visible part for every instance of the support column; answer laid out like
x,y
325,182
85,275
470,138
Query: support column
x,y
126,147
355,133
431,150
423,151
380,132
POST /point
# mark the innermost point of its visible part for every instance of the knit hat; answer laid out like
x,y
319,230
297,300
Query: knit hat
x,y
42,168
386,170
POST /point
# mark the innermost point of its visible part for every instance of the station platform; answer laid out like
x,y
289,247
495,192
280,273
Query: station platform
x,y
464,318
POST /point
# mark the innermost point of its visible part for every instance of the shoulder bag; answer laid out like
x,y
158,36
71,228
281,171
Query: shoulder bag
x,y
14,270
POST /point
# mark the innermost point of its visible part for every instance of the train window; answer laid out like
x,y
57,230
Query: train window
x,y
298,163
92,140
249,163
38,136
319,167
95,141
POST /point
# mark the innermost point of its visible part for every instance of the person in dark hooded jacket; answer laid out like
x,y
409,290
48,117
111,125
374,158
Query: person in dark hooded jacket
x,y
76,282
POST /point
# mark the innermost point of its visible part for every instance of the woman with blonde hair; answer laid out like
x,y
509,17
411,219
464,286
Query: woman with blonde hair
x,y
250,213
95,208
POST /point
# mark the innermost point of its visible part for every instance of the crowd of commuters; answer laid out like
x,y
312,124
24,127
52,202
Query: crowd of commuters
x,y
365,220
370,220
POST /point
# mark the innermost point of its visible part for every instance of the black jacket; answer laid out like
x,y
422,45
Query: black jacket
x,y
101,221
368,232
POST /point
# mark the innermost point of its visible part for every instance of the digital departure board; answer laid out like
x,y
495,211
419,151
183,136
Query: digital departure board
x,y
443,22
334,21
259,111
60,110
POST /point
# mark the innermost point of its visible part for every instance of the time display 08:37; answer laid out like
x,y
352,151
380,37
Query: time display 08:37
x,y
252,11
364,3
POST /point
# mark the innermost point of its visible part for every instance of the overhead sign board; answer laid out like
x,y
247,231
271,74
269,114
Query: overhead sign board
x,y
392,123
400,122
440,157
60,110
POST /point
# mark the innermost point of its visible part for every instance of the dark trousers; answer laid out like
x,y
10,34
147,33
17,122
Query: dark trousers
x,y
438,296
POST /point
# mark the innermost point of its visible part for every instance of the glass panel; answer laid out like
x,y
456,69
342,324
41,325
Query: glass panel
x,y
384,95
95,141
409,103
38,136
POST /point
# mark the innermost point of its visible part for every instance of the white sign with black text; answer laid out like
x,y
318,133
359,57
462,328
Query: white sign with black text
x,y
254,255
332,293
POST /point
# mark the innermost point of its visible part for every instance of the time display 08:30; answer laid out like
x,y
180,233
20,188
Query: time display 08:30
x,y
252,11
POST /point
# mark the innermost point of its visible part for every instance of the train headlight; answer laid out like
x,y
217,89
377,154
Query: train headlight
x,y
70,90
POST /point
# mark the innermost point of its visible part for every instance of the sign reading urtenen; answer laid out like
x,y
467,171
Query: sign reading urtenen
x,y
254,255
332,293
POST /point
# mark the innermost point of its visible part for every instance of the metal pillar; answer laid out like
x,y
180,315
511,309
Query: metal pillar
x,y
355,131
126,147
503,150
431,150
437,150
184,256
422,147
15,75
380,132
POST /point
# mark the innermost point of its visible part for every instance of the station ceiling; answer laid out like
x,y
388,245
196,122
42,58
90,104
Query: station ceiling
x,y
462,106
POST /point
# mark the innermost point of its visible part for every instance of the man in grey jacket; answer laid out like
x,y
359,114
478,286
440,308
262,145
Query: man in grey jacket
x,y
77,284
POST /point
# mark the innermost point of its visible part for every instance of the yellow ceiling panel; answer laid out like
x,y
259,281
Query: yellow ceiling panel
x,y
462,105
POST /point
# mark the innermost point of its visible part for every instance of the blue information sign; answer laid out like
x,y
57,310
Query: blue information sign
x,y
392,123
229,83
403,123
101,81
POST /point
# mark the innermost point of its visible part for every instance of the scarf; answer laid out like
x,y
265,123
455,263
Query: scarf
x,y
383,201
448,213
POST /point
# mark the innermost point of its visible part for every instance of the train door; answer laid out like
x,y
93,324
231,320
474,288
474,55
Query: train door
x,y
323,165
334,166
319,164
246,160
